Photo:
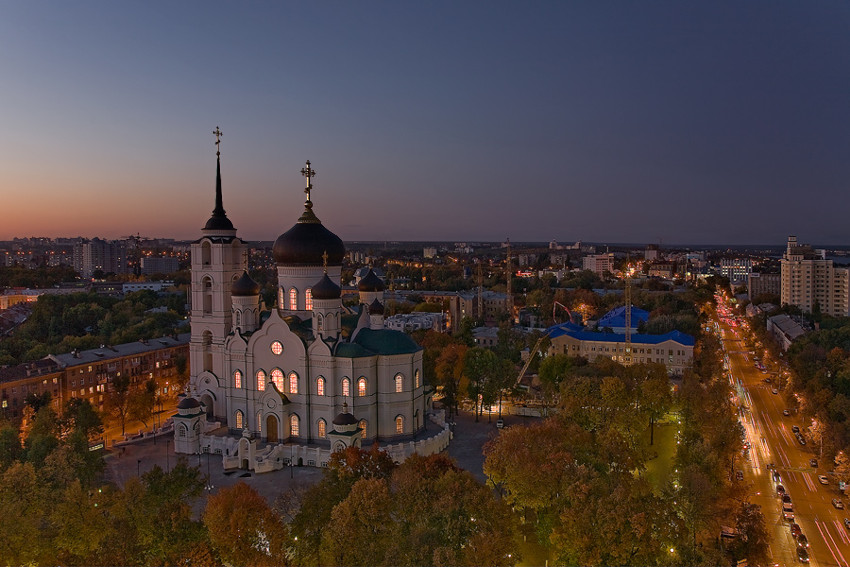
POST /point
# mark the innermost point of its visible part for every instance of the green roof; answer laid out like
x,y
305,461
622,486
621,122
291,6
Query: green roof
x,y
352,350
386,341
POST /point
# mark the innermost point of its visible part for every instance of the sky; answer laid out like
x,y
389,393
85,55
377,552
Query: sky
x,y
644,122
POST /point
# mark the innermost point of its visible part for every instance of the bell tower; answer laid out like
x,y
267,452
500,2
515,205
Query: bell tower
x,y
217,262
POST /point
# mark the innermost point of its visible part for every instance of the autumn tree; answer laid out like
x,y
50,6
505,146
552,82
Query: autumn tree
x,y
243,529
117,399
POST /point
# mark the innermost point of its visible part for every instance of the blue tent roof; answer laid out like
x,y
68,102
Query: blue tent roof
x,y
617,317
676,336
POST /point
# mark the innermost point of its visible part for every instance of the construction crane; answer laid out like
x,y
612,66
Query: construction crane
x,y
564,307
531,355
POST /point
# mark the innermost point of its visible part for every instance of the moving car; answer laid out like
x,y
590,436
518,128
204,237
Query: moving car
x,y
802,555
795,428
847,523
802,541
780,490
774,391
795,529
786,413
786,498
813,462
739,475
838,504
822,479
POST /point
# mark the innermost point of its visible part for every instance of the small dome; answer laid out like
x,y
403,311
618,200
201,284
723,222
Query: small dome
x,y
326,289
376,308
345,419
305,243
371,282
188,403
219,222
245,286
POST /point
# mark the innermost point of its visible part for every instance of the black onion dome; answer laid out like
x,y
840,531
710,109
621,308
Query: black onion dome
x,y
245,286
326,289
188,403
305,243
376,308
345,419
371,282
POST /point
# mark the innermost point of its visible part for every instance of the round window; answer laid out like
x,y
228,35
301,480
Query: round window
x,y
277,347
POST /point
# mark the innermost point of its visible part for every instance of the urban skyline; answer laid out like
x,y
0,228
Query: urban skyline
x,y
697,124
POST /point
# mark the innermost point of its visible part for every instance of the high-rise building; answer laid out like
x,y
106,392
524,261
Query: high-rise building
x,y
809,279
98,254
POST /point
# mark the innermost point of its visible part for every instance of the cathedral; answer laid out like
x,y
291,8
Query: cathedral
x,y
307,370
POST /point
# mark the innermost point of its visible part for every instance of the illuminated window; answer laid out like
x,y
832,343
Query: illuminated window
x,y
280,303
399,383
308,299
293,299
238,419
277,378
261,380
237,379
399,425
346,387
277,348
293,425
320,386
321,426
361,387
362,425
293,383
416,378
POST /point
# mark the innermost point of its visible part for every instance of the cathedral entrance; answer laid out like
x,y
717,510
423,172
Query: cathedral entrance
x,y
207,401
271,429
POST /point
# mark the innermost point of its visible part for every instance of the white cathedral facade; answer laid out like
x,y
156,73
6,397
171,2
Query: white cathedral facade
x,y
307,370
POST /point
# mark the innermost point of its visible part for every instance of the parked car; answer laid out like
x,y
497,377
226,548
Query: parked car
x,y
822,479
802,541
838,504
780,490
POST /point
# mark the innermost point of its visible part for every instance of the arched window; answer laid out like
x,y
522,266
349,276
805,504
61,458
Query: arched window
x,y
208,358
277,378
237,379
346,387
206,253
261,380
319,321
308,299
320,386
259,422
238,419
362,425
293,425
322,427
293,383
399,425
280,302
238,319
182,430
207,295
399,383
293,299
416,378
361,386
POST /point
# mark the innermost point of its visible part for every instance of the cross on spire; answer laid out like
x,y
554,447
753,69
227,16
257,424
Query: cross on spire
x,y
325,261
218,134
309,173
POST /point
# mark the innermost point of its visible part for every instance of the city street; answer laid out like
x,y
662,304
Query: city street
x,y
772,441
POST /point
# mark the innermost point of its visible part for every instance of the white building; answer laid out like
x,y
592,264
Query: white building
x,y
302,373
599,263
809,279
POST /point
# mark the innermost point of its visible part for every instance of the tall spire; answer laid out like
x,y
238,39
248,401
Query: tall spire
x,y
218,220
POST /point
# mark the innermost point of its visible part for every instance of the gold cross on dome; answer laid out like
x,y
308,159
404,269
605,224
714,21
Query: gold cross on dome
x,y
309,173
325,261
218,134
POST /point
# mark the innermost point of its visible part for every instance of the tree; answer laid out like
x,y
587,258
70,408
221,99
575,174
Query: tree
x,y
449,373
79,415
480,366
10,446
117,402
142,401
243,529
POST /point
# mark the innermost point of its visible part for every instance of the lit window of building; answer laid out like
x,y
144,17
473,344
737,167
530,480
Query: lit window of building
x,y
320,386
293,425
322,426
293,383
238,419
277,378
361,386
237,379
277,347
293,299
308,299
399,425
399,383
346,387
261,380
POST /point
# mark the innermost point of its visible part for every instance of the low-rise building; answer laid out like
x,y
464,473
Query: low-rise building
x,y
785,329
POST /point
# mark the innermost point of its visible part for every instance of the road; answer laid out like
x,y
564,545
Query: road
x,y
772,441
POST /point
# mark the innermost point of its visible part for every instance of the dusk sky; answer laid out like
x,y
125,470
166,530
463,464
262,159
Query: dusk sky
x,y
685,122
